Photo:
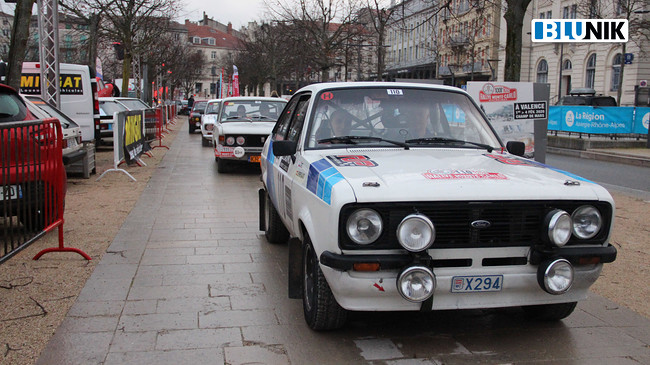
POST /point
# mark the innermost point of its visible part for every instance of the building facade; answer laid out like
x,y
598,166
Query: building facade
x,y
598,66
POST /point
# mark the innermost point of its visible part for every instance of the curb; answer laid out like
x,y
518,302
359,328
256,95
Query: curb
x,y
602,156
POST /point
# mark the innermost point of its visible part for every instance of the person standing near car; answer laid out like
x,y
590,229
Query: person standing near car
x,y
190,102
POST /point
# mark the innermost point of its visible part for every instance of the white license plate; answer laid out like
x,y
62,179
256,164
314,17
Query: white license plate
x,y
72,142
11,192
474,284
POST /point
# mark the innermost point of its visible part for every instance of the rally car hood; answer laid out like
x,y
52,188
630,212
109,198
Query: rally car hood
x,y
256,127
453,174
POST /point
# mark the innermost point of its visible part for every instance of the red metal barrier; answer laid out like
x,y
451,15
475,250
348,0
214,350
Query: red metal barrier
x,y
33,182
159,128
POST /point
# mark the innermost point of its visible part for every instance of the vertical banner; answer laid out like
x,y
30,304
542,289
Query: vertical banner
x,y
133,135
513,109
235,81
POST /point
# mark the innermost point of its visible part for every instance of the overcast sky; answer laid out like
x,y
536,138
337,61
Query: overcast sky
x,y
238,12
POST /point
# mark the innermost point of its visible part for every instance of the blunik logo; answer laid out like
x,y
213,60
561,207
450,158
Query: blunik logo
x,y
579,30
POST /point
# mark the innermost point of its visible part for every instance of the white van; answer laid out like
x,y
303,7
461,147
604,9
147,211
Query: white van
x,y
79,100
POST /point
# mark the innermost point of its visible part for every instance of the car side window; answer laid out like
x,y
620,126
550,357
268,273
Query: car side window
x,y
282,126
299,118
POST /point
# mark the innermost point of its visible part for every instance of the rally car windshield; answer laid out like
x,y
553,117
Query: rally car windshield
x,y
413,117
251,111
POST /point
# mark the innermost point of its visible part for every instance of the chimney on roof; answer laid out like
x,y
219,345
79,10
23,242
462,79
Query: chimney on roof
x,y
230,28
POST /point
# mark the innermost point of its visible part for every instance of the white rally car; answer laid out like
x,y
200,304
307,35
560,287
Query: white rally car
x,y
242,126
208,120
401,197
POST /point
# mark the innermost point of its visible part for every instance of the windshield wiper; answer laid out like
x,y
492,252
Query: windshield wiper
x,y
448,140
354,139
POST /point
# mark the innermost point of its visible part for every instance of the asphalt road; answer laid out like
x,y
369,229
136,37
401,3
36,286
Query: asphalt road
x,y
626,178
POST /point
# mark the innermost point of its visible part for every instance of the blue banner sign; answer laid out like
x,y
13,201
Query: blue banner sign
x,y
598,120
641,120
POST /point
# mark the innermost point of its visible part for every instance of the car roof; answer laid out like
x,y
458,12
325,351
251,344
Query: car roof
x,y
214,100
252,98
384,84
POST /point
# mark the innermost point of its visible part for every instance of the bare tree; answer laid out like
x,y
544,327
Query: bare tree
x,y
379,18
514,16
19,37
325,23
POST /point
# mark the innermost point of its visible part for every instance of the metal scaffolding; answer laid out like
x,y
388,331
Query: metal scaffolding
x,y
48,31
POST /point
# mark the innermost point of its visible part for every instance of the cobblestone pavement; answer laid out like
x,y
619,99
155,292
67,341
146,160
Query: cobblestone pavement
x,y
190,279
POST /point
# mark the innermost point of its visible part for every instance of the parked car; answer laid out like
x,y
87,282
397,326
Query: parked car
x,y
194,120
183,108
24,177
208,120
588,97
110,105
72,147
244,124
390,206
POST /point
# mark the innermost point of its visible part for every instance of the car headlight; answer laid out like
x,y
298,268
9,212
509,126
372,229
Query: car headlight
x,y
587,221
209,127
240,140
416,283
364,226
230,141
416,233
558,223
555,276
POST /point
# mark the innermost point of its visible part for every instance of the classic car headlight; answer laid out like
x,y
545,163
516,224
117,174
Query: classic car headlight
x,y
416,283
416,233
587,221
208,127
555,276
364,226
241,140
230,141
558,223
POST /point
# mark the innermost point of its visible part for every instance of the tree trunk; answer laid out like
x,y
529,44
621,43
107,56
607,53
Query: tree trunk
x,y
92,40
19,37
126,73
514,17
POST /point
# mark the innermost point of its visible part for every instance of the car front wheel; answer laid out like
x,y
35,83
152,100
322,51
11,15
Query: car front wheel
x,y
550,312
274,229
322,312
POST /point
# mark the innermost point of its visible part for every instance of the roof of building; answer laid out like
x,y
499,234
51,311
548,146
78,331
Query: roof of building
x,y
222,40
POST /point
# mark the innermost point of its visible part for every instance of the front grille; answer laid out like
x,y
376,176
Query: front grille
x,y
251,140
512,223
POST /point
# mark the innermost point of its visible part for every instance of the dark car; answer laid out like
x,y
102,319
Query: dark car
x,y
588,97
195,115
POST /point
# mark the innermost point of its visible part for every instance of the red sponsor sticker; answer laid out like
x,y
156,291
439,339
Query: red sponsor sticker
x,y
352,160
512,161
327,96
463,175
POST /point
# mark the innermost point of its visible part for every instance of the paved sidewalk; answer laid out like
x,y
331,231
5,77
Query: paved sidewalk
x,y
190,280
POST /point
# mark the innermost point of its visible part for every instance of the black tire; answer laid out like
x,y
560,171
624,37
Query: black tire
x,y
550,312
222,165
204,142
192,128
275,231
322,311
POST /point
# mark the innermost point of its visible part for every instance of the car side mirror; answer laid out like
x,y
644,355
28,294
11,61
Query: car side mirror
x,y
284,148
517,148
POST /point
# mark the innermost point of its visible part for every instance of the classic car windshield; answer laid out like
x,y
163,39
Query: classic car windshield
x,y
382,116
213,107
251,110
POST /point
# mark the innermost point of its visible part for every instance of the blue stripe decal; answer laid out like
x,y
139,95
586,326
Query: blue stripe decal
x,y
270,157
321,178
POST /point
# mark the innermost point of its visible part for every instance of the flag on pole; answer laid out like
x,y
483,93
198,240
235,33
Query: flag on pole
x,y
235,81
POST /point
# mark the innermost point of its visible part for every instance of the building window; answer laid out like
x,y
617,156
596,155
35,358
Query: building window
x,y
542,71
196,40
567,65
616,71
574,11
213,55
590,75
565,12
